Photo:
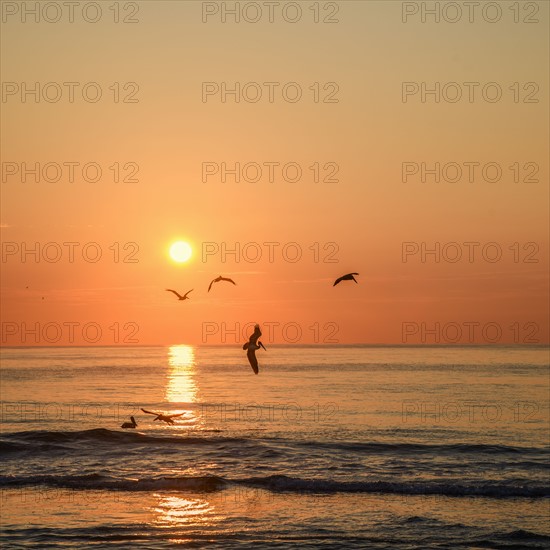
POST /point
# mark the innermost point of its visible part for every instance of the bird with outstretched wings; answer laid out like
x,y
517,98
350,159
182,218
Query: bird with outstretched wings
x,y
180,297
163,417
348,277
218,279
251,346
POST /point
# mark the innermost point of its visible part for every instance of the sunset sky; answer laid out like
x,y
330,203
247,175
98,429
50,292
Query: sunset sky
x,y
364,218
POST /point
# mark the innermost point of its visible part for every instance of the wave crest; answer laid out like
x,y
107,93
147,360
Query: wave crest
x,y
280,483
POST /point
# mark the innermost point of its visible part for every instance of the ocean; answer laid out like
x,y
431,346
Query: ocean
x,y
328,447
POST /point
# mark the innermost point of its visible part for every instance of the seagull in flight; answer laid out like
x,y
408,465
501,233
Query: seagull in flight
x,y
163,417
251,346
218,279
180,297
348,277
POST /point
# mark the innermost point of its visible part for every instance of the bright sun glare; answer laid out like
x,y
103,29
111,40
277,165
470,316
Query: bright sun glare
x,y
180,251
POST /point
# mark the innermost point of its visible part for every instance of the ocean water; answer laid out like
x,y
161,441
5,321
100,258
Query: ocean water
x,y
328,447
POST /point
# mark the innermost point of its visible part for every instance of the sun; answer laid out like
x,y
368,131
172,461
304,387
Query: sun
x,y
180,251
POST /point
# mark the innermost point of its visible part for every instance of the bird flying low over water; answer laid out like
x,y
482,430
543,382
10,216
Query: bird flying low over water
x,y
180,297
348,277
218,279
163,417
132,424
251,346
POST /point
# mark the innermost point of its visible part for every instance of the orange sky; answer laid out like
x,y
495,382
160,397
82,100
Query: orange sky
x,y
369,212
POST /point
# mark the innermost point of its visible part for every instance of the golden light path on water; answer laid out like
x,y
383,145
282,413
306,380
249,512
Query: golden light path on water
x,y
174,510
181,386
171,511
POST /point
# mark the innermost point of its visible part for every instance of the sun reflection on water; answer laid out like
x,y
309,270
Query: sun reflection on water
x,y
173,510
181,386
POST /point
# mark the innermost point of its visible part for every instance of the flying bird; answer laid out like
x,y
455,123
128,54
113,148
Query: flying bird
x,y
218,279
163,417
348,277
180,297
132,424
251,346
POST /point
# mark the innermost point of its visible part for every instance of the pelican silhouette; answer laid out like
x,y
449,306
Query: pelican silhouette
x,y
348,277
251,346
132,424
218,279
163,417
180,297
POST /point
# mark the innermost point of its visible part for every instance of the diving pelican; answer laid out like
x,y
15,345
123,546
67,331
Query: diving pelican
x,y
132,424
163,417
218,279
348,277
180,297
251,346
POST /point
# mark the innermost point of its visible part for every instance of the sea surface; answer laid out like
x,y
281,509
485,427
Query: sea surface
x,y
328,447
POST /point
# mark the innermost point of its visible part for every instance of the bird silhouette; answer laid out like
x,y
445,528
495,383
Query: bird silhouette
x,y
180,297
132,424
251,346
218,279
163,417
348,277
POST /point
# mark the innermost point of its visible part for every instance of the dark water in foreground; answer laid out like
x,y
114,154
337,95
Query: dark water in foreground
x,y
350,446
